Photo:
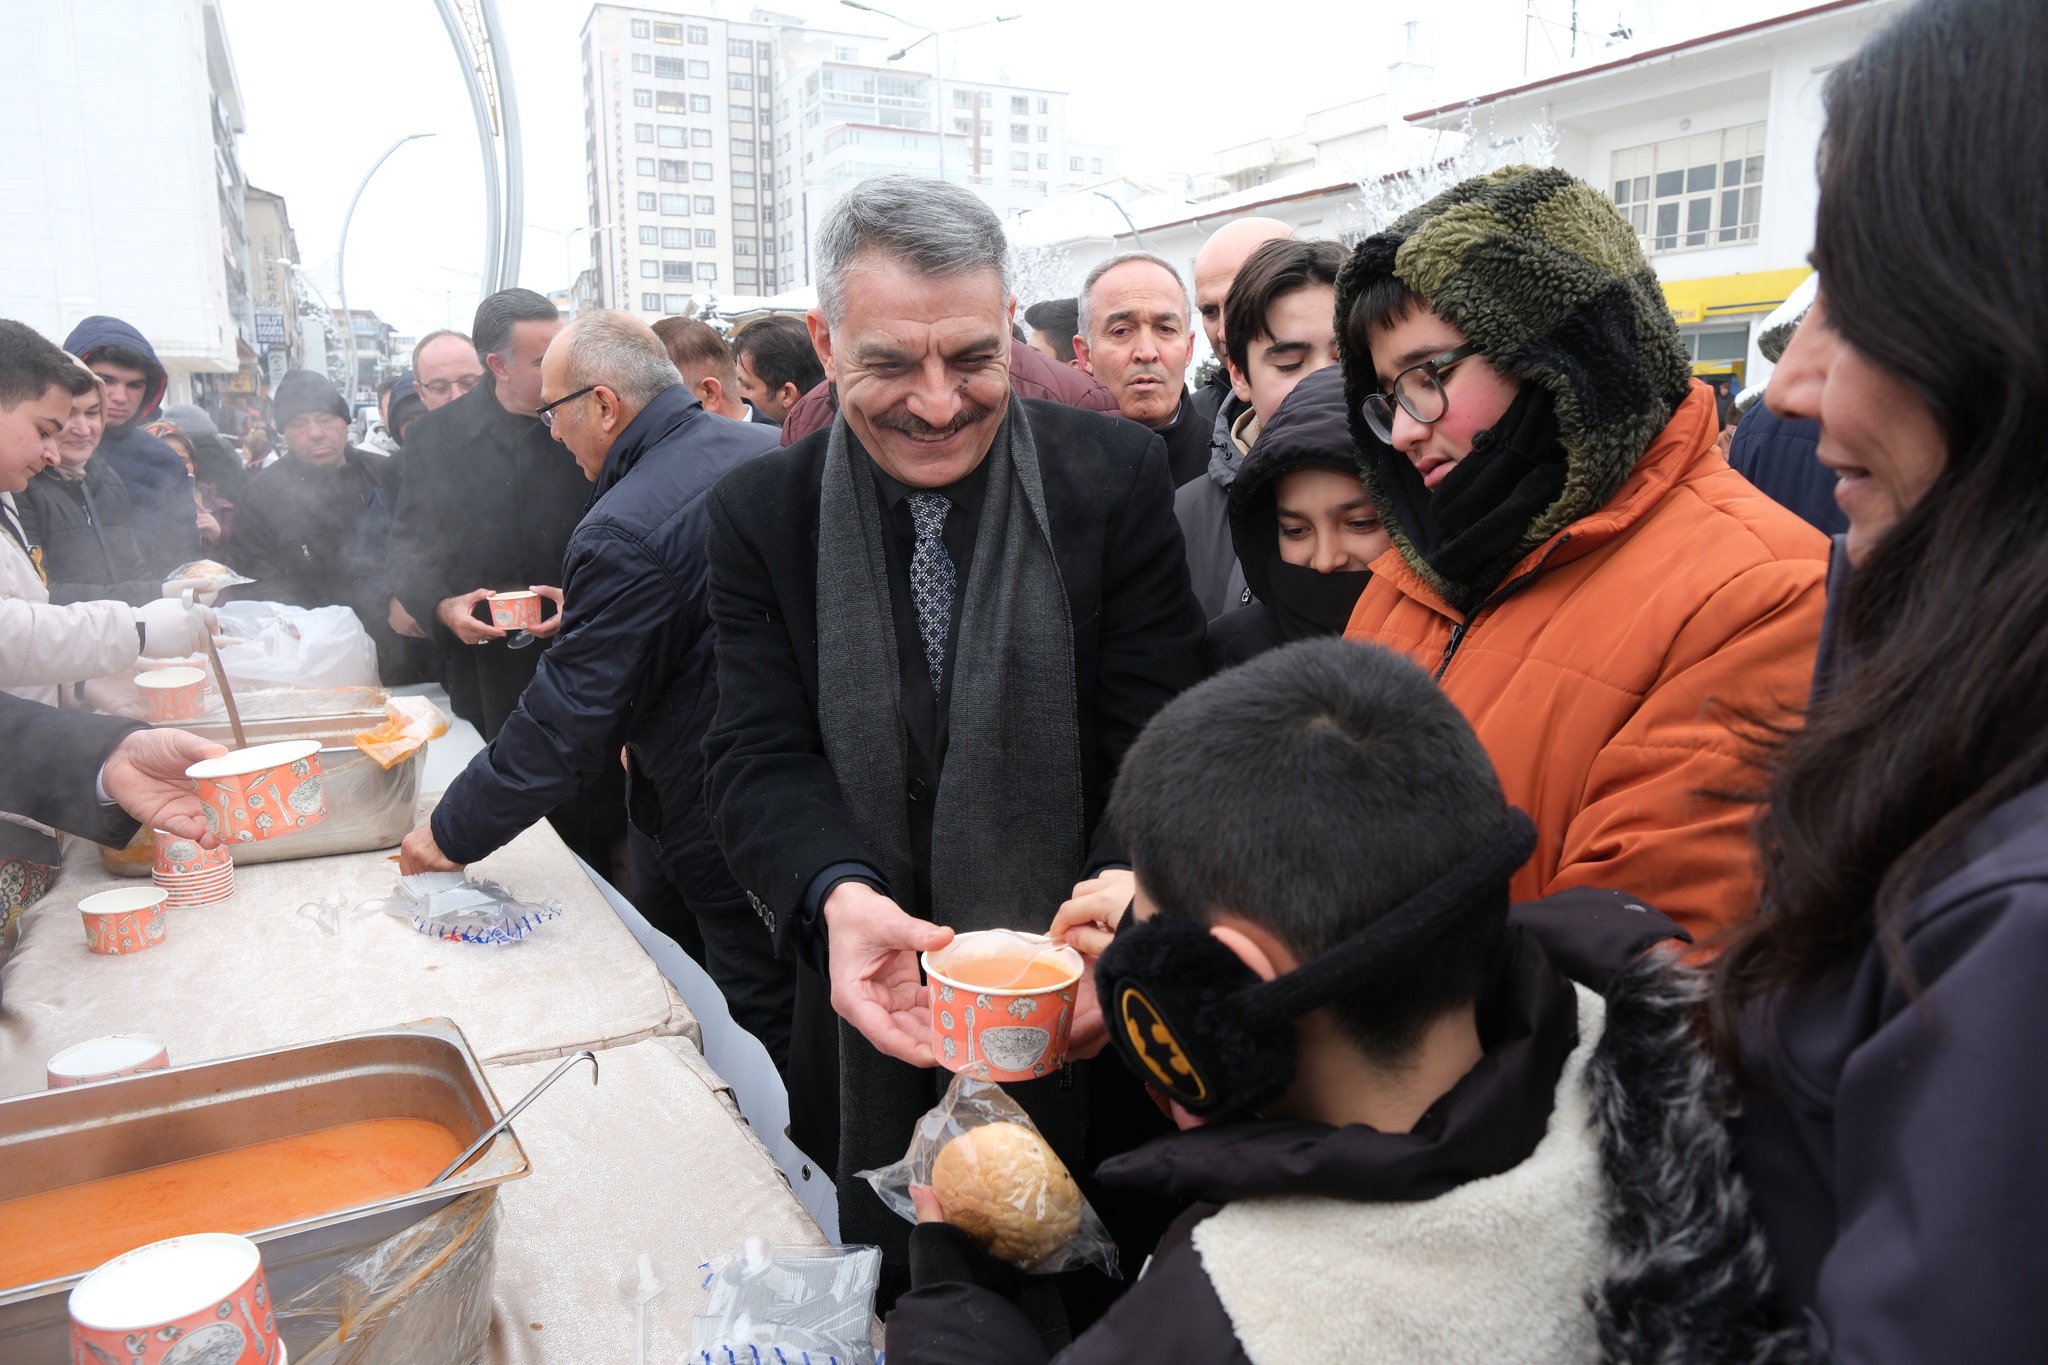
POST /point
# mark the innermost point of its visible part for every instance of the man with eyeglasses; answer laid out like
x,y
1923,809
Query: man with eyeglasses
x,y
1618,613
444,367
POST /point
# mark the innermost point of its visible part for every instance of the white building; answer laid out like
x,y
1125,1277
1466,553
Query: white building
x,y
1707,146
716,147
124,193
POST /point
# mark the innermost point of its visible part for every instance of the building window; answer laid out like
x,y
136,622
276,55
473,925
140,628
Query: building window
x,y
675,170
1095,165
647,201
700,71
707,271
743,213
963,99
1716,345
987,100
700,170
845,54
743,246
962,125
707,237
745,275
1044,133
1044,106
1042,159
738,47
676,270
650,303
643,99
1073,163
1017,184
675,204
649,236
1692,192
643,132
643,165
1020,161
669,68
699,34
988,156
765,119
1019,104
672,135
706,204
675,239
700,104
987,129
739,80
676,303
668,33
1020,132
700,137
639,28
670,102
650,270
642,62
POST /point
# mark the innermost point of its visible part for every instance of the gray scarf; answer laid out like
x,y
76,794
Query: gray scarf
x,y
1009,830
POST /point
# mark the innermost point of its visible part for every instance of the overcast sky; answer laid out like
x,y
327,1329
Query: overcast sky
x,y
1166,83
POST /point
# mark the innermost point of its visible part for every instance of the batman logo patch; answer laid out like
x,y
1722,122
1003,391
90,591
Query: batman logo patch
x,y
1151,1040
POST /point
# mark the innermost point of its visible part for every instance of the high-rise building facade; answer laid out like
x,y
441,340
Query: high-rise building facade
x,y
715,148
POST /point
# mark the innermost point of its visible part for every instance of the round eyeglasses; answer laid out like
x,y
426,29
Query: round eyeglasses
x,y
1419,390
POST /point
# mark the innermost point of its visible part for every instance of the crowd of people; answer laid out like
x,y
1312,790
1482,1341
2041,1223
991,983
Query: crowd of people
x,y
1544,899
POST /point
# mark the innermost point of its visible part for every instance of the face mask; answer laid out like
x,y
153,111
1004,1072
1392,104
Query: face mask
x,y
1192,1020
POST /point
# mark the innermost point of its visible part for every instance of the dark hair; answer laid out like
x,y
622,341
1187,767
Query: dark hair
x,y
1378,306
779,351
1311,791
1937,713
127,357
432,337
30,363
694,345
496,315
1268,275
1060,320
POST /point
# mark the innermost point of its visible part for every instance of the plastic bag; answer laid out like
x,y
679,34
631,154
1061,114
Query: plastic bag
x,y
422,1294
204,578
409,722
447,905
280,646
788,1303
1040,1230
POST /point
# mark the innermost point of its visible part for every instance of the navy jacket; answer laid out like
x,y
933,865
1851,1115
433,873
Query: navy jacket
x,y
166,516
86,531
1777,455
632,663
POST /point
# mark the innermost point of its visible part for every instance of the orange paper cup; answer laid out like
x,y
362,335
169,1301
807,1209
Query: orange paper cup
x,y
124,921
177,857
196,1298
262,793
171,694
515,610
1015,1032
102,1059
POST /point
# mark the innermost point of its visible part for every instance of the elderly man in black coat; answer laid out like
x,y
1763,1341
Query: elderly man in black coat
x,y
298,517
941,621
632,662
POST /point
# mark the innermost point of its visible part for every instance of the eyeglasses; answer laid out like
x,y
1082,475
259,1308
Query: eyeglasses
x,y
547,414
1419,390
441,388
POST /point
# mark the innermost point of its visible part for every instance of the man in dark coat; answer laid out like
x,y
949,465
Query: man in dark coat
x,y
632,663
166,516
940,622
82,522
1134,336
488,504
299,516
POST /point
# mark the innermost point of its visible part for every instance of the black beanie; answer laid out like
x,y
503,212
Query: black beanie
x,y
301,392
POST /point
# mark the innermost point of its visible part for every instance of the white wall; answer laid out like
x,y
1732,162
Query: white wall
x,y
111,201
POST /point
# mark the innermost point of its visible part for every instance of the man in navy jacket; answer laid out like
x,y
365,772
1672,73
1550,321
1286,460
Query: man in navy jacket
x,y
632,662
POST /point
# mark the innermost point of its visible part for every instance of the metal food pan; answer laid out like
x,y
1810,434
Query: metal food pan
x,y
423,1070
368,806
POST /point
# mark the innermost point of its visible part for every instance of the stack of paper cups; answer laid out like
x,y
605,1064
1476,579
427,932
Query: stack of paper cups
x,y
191,874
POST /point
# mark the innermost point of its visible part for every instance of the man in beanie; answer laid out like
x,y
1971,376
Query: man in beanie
x,y
298,518
1615,609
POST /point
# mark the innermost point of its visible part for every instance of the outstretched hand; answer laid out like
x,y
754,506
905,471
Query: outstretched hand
x,y
541,630
876,986
145,776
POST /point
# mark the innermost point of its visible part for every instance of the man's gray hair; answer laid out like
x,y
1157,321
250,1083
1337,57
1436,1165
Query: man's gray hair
x,y
936,228
622,353
1088,286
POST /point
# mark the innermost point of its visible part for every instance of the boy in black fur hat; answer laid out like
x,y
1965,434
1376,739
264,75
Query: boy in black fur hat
x,y
1419,1126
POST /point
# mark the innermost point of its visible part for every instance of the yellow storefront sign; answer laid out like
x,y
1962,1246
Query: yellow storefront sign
x,y
1756,291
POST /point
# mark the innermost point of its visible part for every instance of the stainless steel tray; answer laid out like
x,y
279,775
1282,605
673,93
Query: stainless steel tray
x,y
368,806
63,1137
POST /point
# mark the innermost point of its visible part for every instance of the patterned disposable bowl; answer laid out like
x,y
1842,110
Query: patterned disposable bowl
x,y
102,1059
515,610
124,921
1002,1033
172,694
178,1302
265,792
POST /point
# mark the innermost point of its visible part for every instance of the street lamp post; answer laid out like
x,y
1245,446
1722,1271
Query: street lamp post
x,y
1118,205
568,261
938,67
348,320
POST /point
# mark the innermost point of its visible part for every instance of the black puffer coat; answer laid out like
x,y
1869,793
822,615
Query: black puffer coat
x,y
85,529
166,515
296,524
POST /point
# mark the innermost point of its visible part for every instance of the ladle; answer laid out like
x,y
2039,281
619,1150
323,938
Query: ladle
x,y
513,1113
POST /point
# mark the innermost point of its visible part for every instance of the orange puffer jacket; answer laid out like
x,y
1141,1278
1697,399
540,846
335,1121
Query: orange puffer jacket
x,y
1609,677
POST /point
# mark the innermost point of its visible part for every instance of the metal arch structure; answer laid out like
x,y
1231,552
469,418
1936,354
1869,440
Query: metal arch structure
x,y
478,37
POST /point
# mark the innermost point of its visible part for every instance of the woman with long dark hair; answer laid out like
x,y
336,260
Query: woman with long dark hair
x,y
1888,1011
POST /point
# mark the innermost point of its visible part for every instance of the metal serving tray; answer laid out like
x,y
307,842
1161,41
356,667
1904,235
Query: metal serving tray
x,y
368,806
63,1137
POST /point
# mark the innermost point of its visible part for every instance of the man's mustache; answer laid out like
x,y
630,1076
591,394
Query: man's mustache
x,y
914,425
